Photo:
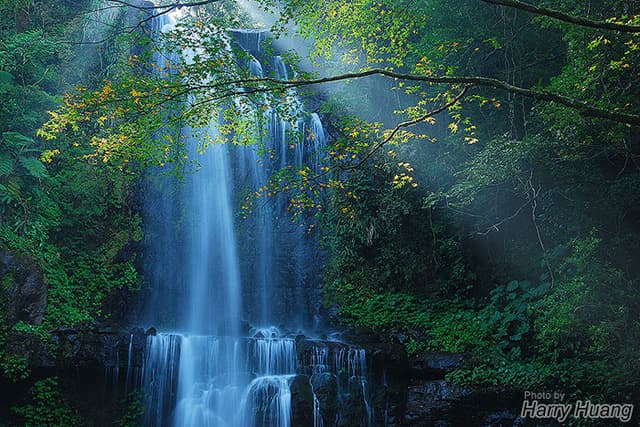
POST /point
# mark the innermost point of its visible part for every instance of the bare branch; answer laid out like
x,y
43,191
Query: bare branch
x,y
532,195
151,12
176,5
601,25
497,225
157,11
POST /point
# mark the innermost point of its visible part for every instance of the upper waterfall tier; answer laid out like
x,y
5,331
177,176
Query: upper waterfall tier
x,y
212,267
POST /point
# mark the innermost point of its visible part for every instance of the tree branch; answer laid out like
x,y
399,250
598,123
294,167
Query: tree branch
x,y
389,137
171,6
551,13
496,226
410,123
533,196
157,11
151,12
583,108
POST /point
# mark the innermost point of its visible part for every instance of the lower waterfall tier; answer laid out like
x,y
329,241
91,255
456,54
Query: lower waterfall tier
x,y
206,381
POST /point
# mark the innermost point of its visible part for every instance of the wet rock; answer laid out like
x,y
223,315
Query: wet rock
x,y
24,287
325,387
135,348
81,348
301,402
245,327
431,402
390,358
249,39
434,365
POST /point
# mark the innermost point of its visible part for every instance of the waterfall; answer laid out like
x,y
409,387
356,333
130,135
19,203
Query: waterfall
x,y
319,365
194,377
160,378
267,402
213,272
131,377
279,256
350,364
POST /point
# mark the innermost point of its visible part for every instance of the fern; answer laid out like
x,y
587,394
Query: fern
x,y
5,196
13,186
17,140
6,164
34,166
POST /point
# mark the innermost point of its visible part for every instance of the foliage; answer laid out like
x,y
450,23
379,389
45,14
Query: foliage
x,y
167,93
70,216
20,171
459,330
14,367
134,412
509,313
389,312
47,406
505,228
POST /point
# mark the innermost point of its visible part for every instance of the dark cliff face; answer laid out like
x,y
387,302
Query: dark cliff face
x,y
401,390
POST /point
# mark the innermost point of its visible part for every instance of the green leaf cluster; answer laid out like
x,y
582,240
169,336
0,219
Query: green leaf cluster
x,y
47,406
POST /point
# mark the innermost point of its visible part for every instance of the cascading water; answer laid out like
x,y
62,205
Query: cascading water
x,y
319,365
277,253
211,274
194,378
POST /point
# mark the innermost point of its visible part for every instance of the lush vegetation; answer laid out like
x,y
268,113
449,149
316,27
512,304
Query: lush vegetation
x,y
513,237
506,226
62,212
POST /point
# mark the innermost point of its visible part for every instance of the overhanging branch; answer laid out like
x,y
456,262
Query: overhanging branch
x,y
171,6
583,108
410,123
555,14
150,12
